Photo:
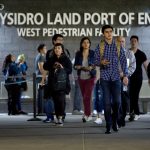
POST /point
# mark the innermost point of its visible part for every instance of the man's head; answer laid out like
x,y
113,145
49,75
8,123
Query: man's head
x,y
107,31
42,48
122,40
134,40
57,38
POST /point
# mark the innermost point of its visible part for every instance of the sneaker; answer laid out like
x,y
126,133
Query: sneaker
x,y
47,120
89,118
102,112
94,113
84,119
76,112
131,118
59,122
136,117
98,121
22,112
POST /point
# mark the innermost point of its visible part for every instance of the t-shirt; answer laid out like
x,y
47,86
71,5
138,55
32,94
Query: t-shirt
x,y
140,59
39,59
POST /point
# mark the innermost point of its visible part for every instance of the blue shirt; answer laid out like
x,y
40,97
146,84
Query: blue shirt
x,y
111,71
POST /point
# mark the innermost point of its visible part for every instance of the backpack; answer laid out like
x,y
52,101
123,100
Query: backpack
x,y
60,80
102,46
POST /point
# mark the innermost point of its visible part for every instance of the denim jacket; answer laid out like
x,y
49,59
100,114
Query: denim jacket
x,y
79,59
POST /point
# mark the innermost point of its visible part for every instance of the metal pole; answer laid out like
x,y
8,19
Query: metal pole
x,y
34,100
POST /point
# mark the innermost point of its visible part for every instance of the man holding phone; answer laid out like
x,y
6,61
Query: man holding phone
x,y
109,56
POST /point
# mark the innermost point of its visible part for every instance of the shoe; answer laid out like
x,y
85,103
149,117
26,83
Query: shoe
x,y
48,120
89,118
122,124
76,112
102,112
108,131
115,128
59,122
98,121
94,113
136,117
23,113
131,118
84,119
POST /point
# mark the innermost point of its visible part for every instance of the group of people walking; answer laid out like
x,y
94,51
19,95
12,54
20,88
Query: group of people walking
x,y
110,68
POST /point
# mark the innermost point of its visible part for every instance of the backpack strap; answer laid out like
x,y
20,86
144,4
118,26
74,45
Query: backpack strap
x,y
102,45
118,48
102,48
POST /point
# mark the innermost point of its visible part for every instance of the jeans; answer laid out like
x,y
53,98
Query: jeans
x,y
49,109
125,106
77,97
112,101
98,97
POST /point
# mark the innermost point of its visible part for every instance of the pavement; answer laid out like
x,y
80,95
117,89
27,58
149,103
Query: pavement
x,y
17,133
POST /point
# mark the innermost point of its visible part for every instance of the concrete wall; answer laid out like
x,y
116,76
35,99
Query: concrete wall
x,y
10,42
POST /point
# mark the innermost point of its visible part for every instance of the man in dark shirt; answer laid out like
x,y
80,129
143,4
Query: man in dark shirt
x,y
136,78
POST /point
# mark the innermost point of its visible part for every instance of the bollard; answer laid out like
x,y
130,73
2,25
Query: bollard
x,y
34,100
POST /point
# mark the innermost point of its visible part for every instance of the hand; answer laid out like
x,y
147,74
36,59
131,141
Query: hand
x,y
58,65
125,80
121,75
86,68
78,67
105,62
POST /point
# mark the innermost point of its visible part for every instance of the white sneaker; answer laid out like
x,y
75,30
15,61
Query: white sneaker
x,y
89,118
94,112
98,121
136,117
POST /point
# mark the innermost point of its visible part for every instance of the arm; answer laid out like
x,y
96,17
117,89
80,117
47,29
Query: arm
x,y
97,56
68,65
123,62
132,63
77,64
145,64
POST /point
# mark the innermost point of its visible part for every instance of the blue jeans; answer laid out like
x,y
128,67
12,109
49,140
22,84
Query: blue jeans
x,y
112,101
77,99
98,97
49,109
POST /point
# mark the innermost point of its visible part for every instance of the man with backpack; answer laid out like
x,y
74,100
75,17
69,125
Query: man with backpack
x,y
108,55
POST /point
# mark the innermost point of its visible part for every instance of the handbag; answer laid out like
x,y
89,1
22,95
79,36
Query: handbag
x,y
24,85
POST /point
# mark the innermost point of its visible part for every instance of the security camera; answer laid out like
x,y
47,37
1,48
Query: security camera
x,y
1,6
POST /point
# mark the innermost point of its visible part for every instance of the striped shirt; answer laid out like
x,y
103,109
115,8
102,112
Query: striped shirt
x,y
111,71
132,61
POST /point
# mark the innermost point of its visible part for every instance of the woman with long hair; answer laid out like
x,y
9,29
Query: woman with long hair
x,y
84,64
11,72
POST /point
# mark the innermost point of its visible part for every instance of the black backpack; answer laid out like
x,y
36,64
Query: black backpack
x,y
60,80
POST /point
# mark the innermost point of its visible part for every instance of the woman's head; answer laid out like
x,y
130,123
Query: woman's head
x,y
58,49
8,59
85,43
21,58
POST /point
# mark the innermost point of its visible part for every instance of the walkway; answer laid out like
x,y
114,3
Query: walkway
x,y
16,133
